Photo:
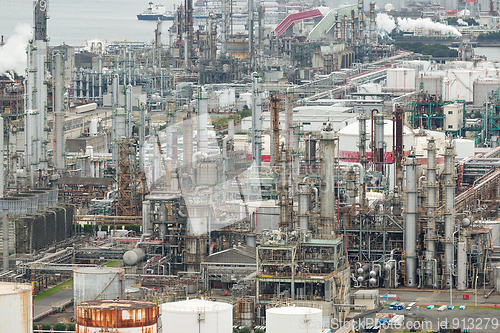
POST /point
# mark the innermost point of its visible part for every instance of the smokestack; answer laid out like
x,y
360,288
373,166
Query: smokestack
x,y
411,221
361,18
373,36
5,239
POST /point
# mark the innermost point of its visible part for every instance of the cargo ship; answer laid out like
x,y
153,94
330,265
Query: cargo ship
x,y
155,13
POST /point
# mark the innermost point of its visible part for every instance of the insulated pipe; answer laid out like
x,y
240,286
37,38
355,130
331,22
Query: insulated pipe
x,y
411,222
449,210
5,239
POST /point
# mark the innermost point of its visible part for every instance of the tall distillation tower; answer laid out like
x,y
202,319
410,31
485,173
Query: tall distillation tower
x,y
36,94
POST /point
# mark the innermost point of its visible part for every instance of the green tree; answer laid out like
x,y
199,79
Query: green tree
x,y
46,327
71,327
235,330
60,327
259,330
246,330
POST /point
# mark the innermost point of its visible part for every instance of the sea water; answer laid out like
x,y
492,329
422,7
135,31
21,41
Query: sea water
x,y
74,21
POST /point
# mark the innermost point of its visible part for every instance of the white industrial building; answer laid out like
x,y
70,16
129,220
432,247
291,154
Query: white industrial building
x,y
312,118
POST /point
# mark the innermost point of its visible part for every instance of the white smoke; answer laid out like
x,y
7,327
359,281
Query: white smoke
x,y
426,23
462,22
386,23
13,53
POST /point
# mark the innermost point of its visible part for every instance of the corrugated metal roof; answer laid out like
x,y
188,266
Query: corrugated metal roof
x,y
295,17
327,23
241,254
85,181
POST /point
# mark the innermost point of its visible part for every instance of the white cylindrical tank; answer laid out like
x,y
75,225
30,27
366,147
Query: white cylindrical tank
x,y
122,316
197,316
93,127
495,231
16,315
293,319
97,283
132,257
349,137
401,79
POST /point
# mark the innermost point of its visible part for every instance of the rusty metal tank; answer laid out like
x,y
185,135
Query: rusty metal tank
x,y
16,315
120,316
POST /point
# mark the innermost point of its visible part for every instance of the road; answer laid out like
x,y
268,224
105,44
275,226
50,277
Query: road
x,y
477,320
54,300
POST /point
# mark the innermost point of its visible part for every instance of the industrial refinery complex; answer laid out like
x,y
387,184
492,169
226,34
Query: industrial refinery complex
x,y
268,167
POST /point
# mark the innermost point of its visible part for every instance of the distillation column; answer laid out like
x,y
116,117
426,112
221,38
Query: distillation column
x,y
36,94
411,221
430,236
449,210
275,130
327,182
283,186
304,195
59,116
256,121
378,144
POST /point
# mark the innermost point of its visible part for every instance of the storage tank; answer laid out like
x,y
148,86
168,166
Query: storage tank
x,y
246,311
483,87
464,148
97,282
432,84
401,79
134,256
349,137
293,319
93,127
495,231
197,316
123,316
16,315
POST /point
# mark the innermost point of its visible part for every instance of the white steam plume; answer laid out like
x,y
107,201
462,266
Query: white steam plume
x,y
386,23
13,53
462,22
426,23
